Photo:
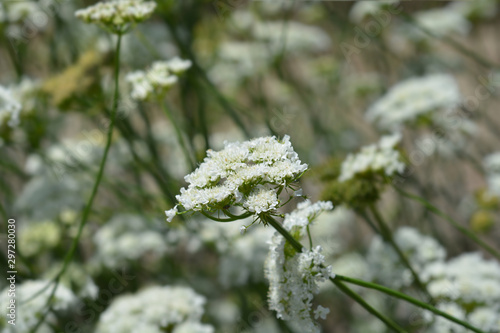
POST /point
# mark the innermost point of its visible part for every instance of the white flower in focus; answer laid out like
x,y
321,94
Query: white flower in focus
x,y
10,108
116,15
171,213
235,176
414,98
261,200
375,158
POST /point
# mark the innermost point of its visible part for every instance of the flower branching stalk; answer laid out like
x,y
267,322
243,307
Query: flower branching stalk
x,y
386,234
88,207
253,176
118,17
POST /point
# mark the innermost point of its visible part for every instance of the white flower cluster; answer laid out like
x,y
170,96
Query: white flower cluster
x,y
160,77
414,98
475,9
492,166
154,310
472,284
421,251
381,157
305,214
439,22
125,238
294,277
454,280
291,36
28,312
247,174
10,108
17,11
362,9
117,14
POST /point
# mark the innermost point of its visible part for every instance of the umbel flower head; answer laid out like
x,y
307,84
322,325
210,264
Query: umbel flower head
x,y
375,158
359,179
250,175
158,79
118,15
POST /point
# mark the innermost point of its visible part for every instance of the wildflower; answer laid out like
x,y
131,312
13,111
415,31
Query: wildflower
x,y
375,158
158,79
10,108
294,277
29,312
249,174
155,309
117,15
413,99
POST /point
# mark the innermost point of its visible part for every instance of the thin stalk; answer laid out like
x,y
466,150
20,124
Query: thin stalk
x,y
387,235
178,133
406,298
88,207
454,223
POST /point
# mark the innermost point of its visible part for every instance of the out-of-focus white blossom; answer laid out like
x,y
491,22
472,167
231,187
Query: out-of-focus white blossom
x,y
413,98
486,318
478,9
363,9
291,36
235,176
158,79
421,251
242,260
10,108
116,15
153,310
28,312
439,22
492,166
125,238
440,324
456,281
375,158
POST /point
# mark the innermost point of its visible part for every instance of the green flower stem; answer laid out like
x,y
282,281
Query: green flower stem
x,y
448,218
408,299
387,236
356,297
231,219
178,133
88,207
